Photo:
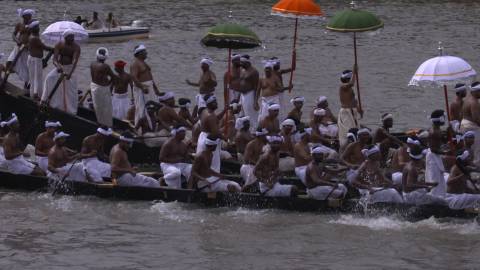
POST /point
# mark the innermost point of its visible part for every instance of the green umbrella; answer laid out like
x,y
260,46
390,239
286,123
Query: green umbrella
x,y
354,20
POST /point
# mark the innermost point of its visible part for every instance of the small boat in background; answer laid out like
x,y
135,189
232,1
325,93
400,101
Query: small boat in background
x,y
121,33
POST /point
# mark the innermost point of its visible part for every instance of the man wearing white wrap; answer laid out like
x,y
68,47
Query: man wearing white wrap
x,y
35,60
206,83
270,122
174,159
248,88
347,116
102,77
145,89
62,164
94,155
456,113
232,84
122,170
252,153
65,59
296,112
121,102
44,143
301,153
471,118
461,190
270,89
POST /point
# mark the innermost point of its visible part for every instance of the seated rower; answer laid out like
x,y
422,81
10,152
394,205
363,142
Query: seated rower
x,y
174,159
14,151
468,143
287,162
243,136
270,122
62,164
252,153
167,115
184,111
353,156
233,111
322,103
324,131
371,182
318,178
385,140
402,157
296,113
154,133
44,142
122,171
268,173
204,177
460,194
94,155
301,153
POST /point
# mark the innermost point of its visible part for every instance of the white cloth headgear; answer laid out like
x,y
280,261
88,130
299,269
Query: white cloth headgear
x,y
424,134
125,139
236,56
297,99
417,157
33,24
347,75
234,106
101,56
440,119
412,141
59,135
210,99
240,122
469,134
364,131
174,131
352,136
321,99
139,48
475,88
23,12
464,155
268,64
387,116
460,88
371,151
210,142
106,132
274,138
273,107
319,112
186,105
13,119
320,149
68,32
261,133
49,124
206,61
166,96
289,122
244,59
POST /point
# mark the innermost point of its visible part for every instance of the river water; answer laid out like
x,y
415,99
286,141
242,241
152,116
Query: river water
x,y
41,232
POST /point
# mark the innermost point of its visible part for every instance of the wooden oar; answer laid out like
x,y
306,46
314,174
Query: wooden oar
x,y
64,177
209,184
46,59
89,92
10,68
55,87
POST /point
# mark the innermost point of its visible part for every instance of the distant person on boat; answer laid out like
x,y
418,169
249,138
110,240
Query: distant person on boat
x,y
296,112
268,173
249,81
62,163
102,78
227,123
353,156
79,20
122,170
243,136
277,70
471,119
301,153
270,88
347,116
318,178
322,103
203,176
95,160
287,131
270,122
402,157
44,143
121,83
95,23
13,150
184,111
167,115
110,21
252,153
462,191
206,83
145,89
456,112
65,59
175,161
233,85
435,171
35,60
324,131
386,141
20,36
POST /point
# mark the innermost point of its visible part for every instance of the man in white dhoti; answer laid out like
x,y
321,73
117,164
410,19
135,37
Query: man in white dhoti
x,y
35,60
174,159
248,87
270,89
278,71
461,190
120,98
456,107
233,85
102,77
44,143
65,59
62,165
122,171
206,83
296,113
287,161
301,153
145,89
471,119
94,157
347,116
252,153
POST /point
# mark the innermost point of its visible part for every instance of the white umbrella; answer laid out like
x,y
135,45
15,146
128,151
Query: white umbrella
x,y
54,32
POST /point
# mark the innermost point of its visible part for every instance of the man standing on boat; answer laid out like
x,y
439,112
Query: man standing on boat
x,y
94,156
61,162
145,88
233,87
44,142
102,77
471,118
206,83
65,59
456,113
252,153
249,81
119,88
270,89
347,117
35,60
174,159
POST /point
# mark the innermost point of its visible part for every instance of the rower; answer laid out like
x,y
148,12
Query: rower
x,y
95,23
286,161
252,153
145,89
119,87
277,68
461,190
35,60
203,176
243,136
110,21
249,82
301,153
270,122
122,171
468,142
14,151
65,59
401,158
167,115
347,116
20,36
353,156
324,131
269,88
102,78
233,85
371,182
174,159
94,156
184,111
62,164
296,113
44,142
268,173
234,110
318,178
206,83
456,113
149,123
471,118
386,140
322,103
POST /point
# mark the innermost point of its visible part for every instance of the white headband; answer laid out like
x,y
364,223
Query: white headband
x,y
387,116
210,99
319,112
107,132
206,61
139,48
33,24
101,56
347,75
125,139
268,64
297,99
68,32
461,88
234,106
23,12
273,107
274,138
289,122
464,155
244,59
261,133
166,96
305,131
59,135
174,131
210,142
475,88
319,150
371,151
364,130
186,105
321,99
412,141
275,61
417,157
469,134
440,119
52,124
352,136
240,122
236,56
423,135
13,120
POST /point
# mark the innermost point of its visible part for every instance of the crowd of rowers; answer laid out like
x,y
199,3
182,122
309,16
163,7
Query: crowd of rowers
x,y
257,128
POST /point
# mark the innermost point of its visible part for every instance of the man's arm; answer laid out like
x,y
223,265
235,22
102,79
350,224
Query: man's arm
x,y
346,154
76,56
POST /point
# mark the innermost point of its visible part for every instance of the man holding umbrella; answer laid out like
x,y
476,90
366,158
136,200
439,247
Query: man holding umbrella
x,y
347,116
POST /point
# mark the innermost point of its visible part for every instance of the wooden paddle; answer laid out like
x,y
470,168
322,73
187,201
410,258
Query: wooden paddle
x,y
46,59
55,87
64,177
10,68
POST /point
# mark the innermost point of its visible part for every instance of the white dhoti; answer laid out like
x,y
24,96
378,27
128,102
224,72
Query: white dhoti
x,y
156,139
141,99
347,119
233,95
214,184
330,130
96,169
19,165
278,190
21,66
216,154
283,101
286,164
265,102
43,163
435,173
173,172
246,171
421,196
248,108
2,159
200,101
455,124
120,105
35,75
389,195
102,103
467,125
397,178
301,173
351,176
321,192
462,201
138,180
66,96
77,173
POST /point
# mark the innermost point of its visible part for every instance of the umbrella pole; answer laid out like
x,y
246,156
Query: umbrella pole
x,y
293,53
447,106
356,72
226,94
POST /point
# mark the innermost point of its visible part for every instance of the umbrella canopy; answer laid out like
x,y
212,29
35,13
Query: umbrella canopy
x,y
297,9
231,36
54,32
354,20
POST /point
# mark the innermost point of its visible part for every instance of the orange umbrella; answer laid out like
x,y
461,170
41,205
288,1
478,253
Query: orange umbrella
x,y
296,9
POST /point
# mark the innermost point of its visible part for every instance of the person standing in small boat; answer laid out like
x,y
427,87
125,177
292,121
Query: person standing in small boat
x,y
460,194
249,81
119,87
65,59
456,112
206,83
347,116
35,60
122,170
63,163
145,89
242,136
110,21
471,118
95,23
270,122
296,113
301,153
233,85
94,157
174,158
252,153
269,88
44,143
102,78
